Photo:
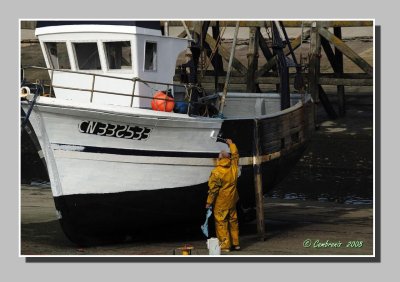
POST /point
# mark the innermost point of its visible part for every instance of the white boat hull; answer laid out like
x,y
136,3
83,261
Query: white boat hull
x,y
84,145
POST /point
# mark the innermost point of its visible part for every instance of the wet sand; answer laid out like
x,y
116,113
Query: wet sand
x,y
291,225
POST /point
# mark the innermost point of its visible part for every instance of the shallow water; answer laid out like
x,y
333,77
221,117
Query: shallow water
x,y
348,200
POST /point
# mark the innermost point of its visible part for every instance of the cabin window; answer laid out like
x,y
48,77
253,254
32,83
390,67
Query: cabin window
x,y
87,56
150,58
58,55
118,55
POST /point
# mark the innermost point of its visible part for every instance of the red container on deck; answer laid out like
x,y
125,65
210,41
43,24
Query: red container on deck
x,y
162,102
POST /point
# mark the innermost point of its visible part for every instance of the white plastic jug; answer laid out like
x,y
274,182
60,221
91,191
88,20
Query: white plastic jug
x,y
213,246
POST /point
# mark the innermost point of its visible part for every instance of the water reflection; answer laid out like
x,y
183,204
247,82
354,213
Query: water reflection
x,y
347,200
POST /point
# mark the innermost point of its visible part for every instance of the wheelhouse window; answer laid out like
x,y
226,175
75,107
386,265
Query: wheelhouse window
x,y
58,55
87,55
118,55
150,58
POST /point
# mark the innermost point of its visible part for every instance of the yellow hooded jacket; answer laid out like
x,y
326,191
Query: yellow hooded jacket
x,y
222,191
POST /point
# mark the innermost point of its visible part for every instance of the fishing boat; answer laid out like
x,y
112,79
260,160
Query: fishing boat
x,y
116,162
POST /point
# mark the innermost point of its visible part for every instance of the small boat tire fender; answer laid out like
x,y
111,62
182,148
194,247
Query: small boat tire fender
x,y
24,92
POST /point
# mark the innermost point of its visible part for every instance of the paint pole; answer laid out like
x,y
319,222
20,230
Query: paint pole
x,y
228,72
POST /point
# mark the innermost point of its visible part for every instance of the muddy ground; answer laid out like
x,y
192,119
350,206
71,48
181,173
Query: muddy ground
x,y
292,228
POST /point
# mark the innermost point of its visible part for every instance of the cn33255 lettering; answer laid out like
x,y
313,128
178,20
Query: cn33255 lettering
x,y
133,132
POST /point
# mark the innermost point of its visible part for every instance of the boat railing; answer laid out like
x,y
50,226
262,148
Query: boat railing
x,y
168,86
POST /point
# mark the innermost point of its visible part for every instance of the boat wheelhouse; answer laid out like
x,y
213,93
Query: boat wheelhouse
x,y
108,48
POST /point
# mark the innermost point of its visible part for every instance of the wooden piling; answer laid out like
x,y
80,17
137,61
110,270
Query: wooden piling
x,y
339,71
217,61
252,59
326,103
258,182
264,46
314,66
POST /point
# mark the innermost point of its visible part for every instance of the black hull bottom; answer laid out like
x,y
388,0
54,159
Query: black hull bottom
x,y
92,219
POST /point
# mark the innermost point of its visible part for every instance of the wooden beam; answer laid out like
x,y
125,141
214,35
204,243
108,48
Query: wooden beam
x,y
329,53
217,60
28,24
182,34
346,50
346,81
314,68
267,67
314,64
252,59
326,103
185,31
226,54
339,71
272,62
29,41
346,75
288,23
264,46
350,79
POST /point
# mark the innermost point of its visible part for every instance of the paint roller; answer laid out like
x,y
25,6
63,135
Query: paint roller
x,y
217,138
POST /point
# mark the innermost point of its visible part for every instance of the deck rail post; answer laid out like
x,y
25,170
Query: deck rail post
x,y
133,91
92,90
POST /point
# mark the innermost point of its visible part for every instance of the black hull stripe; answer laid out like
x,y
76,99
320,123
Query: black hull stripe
x,y
133,152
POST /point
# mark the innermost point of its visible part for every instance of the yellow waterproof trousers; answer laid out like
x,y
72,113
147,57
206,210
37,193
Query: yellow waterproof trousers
x,y
227,227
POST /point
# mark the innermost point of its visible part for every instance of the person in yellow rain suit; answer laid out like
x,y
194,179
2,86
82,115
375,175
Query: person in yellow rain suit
x,y
223,195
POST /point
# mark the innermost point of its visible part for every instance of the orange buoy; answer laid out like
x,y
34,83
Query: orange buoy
x,y
162,102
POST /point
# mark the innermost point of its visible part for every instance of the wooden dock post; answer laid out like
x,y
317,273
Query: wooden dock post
x,y
252,59
217,60
314,65
258,182
339,71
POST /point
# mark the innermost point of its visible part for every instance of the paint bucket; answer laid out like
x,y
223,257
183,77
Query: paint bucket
x,y
213,247
186,250
181,107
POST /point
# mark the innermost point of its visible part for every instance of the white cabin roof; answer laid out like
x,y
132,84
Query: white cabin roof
x,y
96,29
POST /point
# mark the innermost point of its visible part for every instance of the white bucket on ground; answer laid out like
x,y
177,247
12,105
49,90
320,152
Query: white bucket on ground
x,y
213,246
